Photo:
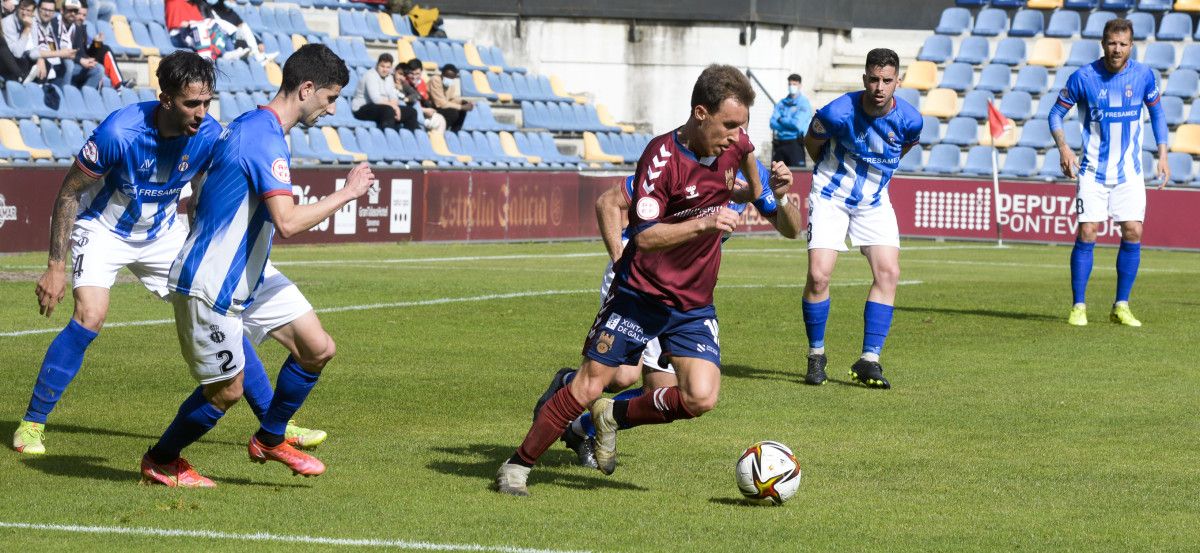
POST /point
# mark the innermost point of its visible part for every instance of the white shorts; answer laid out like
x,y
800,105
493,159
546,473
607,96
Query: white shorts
x,y
212,343
1096,203
99,256
653,349
830,221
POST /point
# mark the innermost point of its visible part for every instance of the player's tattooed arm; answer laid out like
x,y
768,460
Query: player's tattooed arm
x,y
51,287
611,208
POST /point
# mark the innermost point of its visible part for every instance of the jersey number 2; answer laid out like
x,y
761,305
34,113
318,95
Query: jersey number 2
x,y
226,358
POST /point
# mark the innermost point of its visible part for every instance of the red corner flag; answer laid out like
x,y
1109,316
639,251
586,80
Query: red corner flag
x,y
998,124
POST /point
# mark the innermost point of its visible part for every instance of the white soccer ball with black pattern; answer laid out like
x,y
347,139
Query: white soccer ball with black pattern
x,y
768,473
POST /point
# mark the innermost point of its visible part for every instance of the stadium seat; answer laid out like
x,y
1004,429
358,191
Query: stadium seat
x,y
1187,6
1063,24
1172,107
509,143
123,35
962,131
912,161
1143,25
1017,105
1154,5
10,137
931,130
1060,79
1035,134
36,100
979,161
1051,165
958,77
1032,79
334,142
72,134
1190,58
936,49
971,3
1010,51
1194,114
973,50
1008,4
1160,55
1083,52
912,96
921,75
1085,5
53,137
1117,5
1073,132
953,21
1174,26
1095,24
1027,23
990,22
1182,83
974,104
943,159
941,103
1182,167
1019,162
112,100
1187,139
607,119
1047,52
995,78
1044,4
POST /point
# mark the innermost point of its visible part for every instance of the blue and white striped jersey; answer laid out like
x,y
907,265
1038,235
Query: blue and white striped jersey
x,y
142,173
223,259
1110,106
765,204
862,152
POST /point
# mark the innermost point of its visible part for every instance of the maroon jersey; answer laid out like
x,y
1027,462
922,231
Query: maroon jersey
x,y
671,186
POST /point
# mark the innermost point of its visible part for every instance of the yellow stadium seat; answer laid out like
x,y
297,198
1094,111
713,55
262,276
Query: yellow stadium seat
x,y
921,75
484,87
1006,140
558,89
438,141
124,36
1047,52
941,103
298,41
152,66
606,118
1187,5
404,51
10,136
386,25
1044,4
593,152
274,74
1187,139
335,145
509,145
473,58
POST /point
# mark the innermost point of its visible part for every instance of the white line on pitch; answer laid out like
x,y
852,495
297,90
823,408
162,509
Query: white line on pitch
x,y
278,538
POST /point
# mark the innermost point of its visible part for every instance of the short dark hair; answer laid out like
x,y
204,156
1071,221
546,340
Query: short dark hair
x,y
718,82
795,77
26,4
1119,25
385,57
882,57
415,64
182,68
40,2
316,63
450,67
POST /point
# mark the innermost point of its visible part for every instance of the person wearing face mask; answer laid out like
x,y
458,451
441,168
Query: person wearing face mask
x,y
789,122
446,95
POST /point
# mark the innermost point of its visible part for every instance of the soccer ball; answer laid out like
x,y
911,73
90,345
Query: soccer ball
x,y
768,473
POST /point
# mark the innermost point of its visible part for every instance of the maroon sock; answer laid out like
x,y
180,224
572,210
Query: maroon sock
x,y
659,406
554,417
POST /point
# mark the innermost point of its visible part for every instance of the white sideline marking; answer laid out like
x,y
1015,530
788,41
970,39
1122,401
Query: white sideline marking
x,y
440,301
267,537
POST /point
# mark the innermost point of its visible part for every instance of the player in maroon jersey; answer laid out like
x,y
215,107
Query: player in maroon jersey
x,y
664,283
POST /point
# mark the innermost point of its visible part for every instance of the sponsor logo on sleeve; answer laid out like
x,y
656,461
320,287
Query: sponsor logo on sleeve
x,y
648,209
281,171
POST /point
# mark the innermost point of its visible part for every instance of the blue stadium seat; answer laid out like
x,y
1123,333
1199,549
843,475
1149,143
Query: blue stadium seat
x,y
1174,26
1017,105
1032,79
360,140
973,50
1194,114
128,97
496,57
32,135
1063,24
953,22
958,77
72,134
95,104
1155,5
1143,25
1027,23
931,130
1073,132
1008,4
1190,58
1160,55
126,7
995,78
962,131
990,22
1172,107
936,49
37,99
944,159
1095,24
316,141
1182,83
72,103
352,84
1010,51
912,161
160,39
979,161
403,25
1019,162
1035,134
1087,5
118,50
301,152
404,151
910,95
1117,5
1181,166
258,78
1082,53
349,24
53,137
971,3
974,104
1051,168
1060,78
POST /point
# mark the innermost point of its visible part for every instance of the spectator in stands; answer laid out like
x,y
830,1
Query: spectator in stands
x,y
50,41
217,12
789,122
446,95
21,35
12,68
411,84
82,70
376,99
7,7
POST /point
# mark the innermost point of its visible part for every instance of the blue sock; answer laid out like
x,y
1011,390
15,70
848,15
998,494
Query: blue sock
x,y
567,378
877,319
1081,268
585,420
196,417
815,316
1128,259
256,385
291,389
59,367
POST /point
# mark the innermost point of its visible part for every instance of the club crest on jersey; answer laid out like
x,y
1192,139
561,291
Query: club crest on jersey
x,y
729,173
82,239
817,126
90,151
891,137
691,191
1128,91
647,209
281,171
605,342
183,163
216,335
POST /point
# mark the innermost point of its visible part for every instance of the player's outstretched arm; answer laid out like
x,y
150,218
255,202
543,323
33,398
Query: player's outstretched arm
x,y
611,208
754,189
663,236
52,286
786,218
291,219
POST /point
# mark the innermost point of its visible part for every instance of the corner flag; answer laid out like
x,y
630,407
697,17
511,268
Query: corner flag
x,y
998,124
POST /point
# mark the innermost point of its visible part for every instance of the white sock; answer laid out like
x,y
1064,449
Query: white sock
x,y
816,351
872,357
577,428
1081,305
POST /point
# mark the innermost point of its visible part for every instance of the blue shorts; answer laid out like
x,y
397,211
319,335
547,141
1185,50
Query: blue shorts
x,y
627,320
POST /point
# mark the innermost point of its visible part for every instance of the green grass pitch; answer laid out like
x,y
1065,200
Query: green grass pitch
x,y
1006,428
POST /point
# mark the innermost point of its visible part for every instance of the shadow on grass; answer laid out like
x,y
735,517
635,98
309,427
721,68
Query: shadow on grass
x,y
754,373
93,468
481,461
732,502
1017,315
8,427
